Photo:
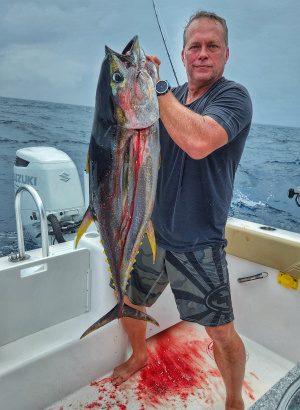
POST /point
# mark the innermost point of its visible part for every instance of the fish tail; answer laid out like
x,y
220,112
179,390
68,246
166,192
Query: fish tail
x,y
127,311
137,314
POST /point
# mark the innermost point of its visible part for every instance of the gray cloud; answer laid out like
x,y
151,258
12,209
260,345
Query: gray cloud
x,y
53,51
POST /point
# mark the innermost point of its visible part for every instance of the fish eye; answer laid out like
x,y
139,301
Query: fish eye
x,y
117,77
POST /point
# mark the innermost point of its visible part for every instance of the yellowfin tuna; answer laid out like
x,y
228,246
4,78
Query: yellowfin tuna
x,y
123,164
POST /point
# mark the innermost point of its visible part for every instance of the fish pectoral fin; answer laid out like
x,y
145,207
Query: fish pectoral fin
x,y
113,314
85,223
137,314
151,238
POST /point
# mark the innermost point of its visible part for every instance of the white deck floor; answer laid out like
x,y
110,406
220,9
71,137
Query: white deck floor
x,y
181,374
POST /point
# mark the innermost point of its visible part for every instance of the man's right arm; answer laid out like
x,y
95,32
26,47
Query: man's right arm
x,y
195,134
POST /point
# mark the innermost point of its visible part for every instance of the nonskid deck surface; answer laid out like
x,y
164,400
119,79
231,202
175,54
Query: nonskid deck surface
x,y
181,374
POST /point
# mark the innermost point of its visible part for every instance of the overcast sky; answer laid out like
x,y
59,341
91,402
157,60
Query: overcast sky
x,y
52,51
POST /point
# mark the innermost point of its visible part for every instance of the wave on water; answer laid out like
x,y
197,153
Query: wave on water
x,y
9,243
293,162
266,172
241,200
263,213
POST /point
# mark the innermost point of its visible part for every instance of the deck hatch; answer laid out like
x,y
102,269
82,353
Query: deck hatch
x,y
34,298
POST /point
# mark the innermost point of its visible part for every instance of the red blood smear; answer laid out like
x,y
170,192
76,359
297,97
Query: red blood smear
x,y
173,369
214,373
179,368
93,405
248,390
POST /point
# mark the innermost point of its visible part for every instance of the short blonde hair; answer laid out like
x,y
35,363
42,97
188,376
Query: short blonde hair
x,y
201,14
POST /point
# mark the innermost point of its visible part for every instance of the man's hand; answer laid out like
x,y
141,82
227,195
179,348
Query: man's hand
x,y
198,136
156,61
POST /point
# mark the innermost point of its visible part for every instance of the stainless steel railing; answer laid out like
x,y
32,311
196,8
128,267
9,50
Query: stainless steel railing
x,y
43,219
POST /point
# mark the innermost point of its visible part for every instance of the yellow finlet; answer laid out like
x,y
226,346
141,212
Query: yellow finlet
x,y
104,252
109,269
151,237
288,281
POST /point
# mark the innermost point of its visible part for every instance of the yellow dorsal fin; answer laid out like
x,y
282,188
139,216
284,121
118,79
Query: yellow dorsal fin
x,y
151,237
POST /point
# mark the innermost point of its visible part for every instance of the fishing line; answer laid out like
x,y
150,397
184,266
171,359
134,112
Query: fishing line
x,y
154,6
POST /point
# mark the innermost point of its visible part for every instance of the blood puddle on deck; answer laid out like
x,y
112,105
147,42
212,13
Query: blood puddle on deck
x,y
180,375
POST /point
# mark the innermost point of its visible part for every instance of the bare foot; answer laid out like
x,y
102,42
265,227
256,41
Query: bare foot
x,y
127,369
237,405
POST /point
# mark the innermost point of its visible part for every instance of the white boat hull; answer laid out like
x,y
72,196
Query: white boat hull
x,y
43,367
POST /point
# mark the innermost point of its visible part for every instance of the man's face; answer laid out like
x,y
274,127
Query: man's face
x,y
205,54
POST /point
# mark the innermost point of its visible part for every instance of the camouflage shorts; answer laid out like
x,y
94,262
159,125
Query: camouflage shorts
x,y
199,281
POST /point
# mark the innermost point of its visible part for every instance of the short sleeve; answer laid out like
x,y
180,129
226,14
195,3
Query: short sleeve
x,y
232,109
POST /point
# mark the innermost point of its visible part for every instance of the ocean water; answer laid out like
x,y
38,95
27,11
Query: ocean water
x,y
269,167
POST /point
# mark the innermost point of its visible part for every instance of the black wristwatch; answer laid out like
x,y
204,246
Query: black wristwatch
x,y
162,87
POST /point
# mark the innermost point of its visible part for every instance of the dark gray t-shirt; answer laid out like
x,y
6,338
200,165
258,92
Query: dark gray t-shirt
x,y
193,196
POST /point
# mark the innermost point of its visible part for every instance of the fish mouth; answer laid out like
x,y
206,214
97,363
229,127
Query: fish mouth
x,y
127,55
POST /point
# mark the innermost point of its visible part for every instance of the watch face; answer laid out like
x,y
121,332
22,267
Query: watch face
x,y
161,87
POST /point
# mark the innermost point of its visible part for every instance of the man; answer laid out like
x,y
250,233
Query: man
x,y
204,125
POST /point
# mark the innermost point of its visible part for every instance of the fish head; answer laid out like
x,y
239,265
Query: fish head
x,y
131,80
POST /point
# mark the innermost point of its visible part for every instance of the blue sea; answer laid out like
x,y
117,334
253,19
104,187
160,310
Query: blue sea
x,y
269,167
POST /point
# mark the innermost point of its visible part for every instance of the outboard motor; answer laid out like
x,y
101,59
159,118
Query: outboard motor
x,y
54,176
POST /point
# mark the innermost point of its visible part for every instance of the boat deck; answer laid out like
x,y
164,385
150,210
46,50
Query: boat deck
x,y
181,374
